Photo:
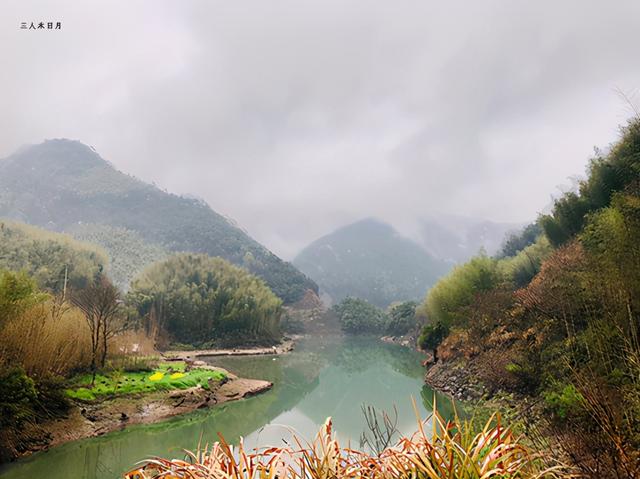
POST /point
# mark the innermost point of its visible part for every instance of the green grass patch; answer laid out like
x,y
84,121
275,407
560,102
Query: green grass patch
x,y
166,376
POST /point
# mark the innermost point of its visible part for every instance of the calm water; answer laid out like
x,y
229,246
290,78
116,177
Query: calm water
x,y
323,377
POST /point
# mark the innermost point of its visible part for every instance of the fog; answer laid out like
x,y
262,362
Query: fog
x,y
295,117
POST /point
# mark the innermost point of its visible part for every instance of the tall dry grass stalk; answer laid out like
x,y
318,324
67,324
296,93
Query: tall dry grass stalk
x,y
439,449
45,340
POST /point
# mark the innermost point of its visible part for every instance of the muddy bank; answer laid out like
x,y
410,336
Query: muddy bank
x,y
88,420
284,347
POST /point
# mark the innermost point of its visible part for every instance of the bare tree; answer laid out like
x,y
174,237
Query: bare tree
x,y
100,304
382,429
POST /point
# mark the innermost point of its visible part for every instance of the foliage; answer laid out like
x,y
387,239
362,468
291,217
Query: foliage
x,y
197,299
560,320
516,242
370,260
43,338
18,396
59,183
402,318
432,335
438,449
607,175
458,289
128,252
167,376
357,316
521,268
49,257
563,400
18,292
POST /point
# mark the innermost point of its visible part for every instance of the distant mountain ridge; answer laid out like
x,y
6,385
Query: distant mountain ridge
x,y
456,239
370,260
64,185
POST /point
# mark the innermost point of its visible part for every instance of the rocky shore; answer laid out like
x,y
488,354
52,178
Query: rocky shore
x,y
456,378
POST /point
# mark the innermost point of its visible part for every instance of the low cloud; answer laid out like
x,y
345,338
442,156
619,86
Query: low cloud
x,y
294,117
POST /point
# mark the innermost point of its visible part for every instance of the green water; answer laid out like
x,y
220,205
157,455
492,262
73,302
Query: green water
x,y
323,377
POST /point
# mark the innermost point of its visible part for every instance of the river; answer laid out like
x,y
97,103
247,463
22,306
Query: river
x,y
323,377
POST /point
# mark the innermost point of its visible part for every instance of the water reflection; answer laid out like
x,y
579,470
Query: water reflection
x,y
323,377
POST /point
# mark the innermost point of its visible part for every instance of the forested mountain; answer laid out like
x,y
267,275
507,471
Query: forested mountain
x,y
64,185
370,260
128,251
49,258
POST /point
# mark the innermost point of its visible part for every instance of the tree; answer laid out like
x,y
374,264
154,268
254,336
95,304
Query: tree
x,y
402,318
516,242
359,317
198,299
100,304
431,337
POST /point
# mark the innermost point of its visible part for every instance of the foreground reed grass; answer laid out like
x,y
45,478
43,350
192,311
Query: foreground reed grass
x,y
439,449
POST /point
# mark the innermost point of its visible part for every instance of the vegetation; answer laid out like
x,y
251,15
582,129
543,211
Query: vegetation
x,y
357,316
516,242
61,183
128,252
52,259
608,174
447,300
166,376
402,318
559,320
40,343
370,260
198,299
440,449
100,304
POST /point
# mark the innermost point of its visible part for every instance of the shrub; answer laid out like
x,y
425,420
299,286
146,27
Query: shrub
x,y
356,316
402,318
446,301
563,400
432,335
17,398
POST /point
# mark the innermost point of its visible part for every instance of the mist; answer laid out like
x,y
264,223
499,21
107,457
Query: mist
x,y
296,117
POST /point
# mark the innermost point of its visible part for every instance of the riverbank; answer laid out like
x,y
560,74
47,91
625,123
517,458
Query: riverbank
x,y
90,419
462,379
456,378
284,347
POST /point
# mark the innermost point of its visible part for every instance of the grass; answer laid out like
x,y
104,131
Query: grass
x,y
167,376
440,449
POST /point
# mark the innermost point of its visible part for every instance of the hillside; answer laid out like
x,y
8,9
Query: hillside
x,y
556,322
369,260
64,185
49,257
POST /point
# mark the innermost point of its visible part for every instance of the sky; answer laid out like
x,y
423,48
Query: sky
x,y
295,117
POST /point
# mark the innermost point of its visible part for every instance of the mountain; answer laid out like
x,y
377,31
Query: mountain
x,y
370,260
456,239
66,186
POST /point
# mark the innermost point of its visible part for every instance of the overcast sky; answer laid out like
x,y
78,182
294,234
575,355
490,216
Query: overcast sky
x,y
295,117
